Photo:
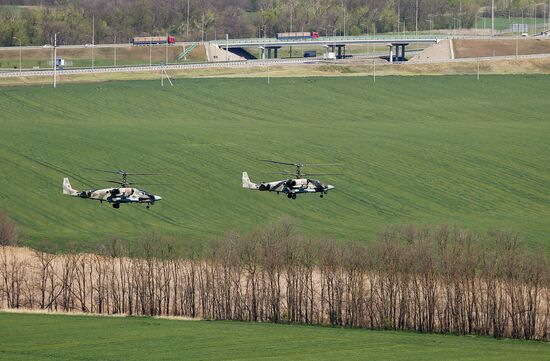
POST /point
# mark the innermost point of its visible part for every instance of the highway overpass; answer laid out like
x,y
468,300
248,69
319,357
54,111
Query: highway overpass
x,y
329,41
335,43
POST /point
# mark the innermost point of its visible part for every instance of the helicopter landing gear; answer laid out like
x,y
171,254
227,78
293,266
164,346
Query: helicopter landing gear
x,y
293,195
321,196
289,195
147,207
116,205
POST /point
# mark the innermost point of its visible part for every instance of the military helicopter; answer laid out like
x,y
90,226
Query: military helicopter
x,y
115,196
301,183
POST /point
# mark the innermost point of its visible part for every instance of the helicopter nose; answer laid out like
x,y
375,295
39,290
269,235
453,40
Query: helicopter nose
x,y
329,187
157,198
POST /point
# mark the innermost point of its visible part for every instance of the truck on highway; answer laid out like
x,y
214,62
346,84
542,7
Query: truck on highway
x,y
296,35
153,40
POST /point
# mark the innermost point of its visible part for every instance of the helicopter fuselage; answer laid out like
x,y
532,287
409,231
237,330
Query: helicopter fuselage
x,y
290,187
116,196
119,195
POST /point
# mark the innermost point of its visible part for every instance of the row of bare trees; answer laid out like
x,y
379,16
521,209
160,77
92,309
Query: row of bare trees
x,y
430,280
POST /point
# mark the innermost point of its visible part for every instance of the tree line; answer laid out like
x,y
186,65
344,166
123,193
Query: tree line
x,y
195,20
438,280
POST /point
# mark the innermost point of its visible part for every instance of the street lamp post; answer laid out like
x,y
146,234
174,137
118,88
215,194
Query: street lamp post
x,y
492,17
226,47
92,46
431,25
55,60
187,23
93,39
115,45
166,51
266,57
15,37
416,23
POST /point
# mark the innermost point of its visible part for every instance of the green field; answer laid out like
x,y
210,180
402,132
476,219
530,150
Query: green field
x,y
422,150
48,337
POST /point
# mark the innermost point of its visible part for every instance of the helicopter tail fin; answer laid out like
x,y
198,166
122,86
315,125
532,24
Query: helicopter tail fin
x,y
247,184
67,189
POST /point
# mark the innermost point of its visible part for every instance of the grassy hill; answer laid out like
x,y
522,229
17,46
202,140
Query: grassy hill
x,y
423,150
41,337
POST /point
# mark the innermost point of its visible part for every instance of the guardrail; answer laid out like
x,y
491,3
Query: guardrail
x,y
145,68
331,39
239,64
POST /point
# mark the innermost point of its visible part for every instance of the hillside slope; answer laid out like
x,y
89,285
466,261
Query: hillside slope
x,y
420,150
46,337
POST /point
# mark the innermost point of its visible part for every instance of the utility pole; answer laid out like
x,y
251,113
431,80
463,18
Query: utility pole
x,y
166,51
492,17
535,15
416,25
374,71
15,37
202,27
115,48
344,10
291,10
93,38
226,47
187,24
398,16
55,60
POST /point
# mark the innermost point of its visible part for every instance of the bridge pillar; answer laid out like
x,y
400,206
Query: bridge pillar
x,y
262,53
399,51
276,51
341,54
269,53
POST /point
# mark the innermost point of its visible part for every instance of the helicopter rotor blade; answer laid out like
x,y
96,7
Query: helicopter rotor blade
x,y
123,172
145,173
275,162
151,184
323,164
103,170
284,173
318,174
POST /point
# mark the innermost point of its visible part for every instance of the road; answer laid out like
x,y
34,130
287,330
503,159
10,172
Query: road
x,y
245,64
255,42
147,68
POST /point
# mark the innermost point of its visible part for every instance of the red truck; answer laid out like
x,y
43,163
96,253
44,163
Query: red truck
x,y
153,40
298,35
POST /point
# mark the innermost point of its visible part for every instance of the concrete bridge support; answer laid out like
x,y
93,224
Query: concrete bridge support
x,y
399,55
339,49
270,50
275,50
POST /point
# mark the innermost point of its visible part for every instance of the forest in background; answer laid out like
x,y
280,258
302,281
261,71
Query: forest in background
x,y
35,21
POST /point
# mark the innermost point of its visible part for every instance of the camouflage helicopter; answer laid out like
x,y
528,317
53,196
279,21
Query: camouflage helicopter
x,y
115,196
300,184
